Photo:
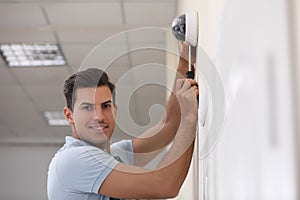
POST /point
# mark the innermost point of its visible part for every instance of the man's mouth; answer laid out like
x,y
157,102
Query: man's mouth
x,y
98,127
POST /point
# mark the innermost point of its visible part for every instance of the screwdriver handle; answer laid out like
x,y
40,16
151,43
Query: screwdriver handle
x,y
190,74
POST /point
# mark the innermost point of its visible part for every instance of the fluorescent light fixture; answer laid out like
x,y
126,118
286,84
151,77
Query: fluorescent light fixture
x,y
32,54
55,118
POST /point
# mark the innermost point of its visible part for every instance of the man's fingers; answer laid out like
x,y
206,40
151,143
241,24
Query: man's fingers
x,y
188,83
187,87
193,82
179,83
193,90
186,44
184,84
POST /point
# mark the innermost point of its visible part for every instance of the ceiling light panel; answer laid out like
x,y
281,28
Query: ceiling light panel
x,y
55,118
32,54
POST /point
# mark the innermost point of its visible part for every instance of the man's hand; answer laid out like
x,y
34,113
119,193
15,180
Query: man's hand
x,y
187,91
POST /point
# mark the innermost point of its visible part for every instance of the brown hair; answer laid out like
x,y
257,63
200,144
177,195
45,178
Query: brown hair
x,y
91,77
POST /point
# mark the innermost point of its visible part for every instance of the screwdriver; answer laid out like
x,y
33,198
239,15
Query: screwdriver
x,y
189,73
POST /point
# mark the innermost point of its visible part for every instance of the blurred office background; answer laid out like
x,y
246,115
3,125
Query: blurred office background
x,y
254,45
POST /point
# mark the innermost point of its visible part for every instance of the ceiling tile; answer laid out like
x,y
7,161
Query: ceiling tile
x,y
46,97
145,55
11,91
151,35
76,53
2,62
53,104
6,76
26,36
85,36
104,55
85,14
41,75
21,15
97,54
148,13
118,68
40,91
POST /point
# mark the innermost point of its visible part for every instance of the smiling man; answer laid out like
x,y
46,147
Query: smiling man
x,y
95,113
89,167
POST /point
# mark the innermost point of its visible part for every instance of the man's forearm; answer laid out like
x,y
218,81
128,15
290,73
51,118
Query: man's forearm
x,y
163,132
177,161
172,107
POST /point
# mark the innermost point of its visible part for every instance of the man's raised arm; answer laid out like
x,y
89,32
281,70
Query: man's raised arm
x,y
149,144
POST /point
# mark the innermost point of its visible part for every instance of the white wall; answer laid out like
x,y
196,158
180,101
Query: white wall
x,y
255,158
294,14
23,171
249,42
209,14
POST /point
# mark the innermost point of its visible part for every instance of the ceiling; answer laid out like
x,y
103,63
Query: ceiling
x,y
78,26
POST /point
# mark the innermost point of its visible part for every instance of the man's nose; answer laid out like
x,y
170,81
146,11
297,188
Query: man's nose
x,y
99,115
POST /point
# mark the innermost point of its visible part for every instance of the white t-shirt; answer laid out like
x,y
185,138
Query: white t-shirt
x,y
78,169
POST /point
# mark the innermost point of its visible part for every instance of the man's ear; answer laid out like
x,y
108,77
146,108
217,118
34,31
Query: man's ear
x,y
68,115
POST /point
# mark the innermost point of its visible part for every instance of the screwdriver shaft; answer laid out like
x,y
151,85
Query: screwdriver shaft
x,y
189,73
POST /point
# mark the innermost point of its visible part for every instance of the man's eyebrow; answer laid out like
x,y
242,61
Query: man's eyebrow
x,y
86,103
91,104
109,101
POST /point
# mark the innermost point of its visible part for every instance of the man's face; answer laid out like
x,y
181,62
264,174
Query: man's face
x,y
93,116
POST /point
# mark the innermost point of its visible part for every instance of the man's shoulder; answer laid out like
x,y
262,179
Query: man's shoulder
x,y
122,145
80,159
74,155
123,151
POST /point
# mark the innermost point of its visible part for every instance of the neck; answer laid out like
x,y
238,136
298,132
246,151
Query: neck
x,y
104,146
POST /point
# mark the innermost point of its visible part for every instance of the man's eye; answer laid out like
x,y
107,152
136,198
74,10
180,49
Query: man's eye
x,y
107,105
87,107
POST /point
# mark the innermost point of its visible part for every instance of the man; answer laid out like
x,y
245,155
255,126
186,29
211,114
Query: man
x,y
88,167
